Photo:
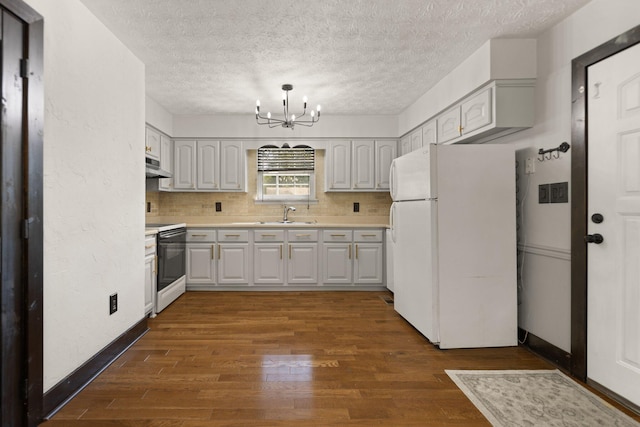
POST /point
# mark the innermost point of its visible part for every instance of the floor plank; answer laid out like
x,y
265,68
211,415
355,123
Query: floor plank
x,y
284,359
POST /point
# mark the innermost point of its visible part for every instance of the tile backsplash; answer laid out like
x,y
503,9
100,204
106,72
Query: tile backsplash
x,y
243,207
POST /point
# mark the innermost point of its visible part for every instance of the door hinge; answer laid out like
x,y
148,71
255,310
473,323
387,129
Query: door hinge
x,y
24,68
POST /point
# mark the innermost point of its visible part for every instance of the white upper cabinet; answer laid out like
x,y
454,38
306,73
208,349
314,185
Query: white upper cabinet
x,y
209,165
385,152
152,143
405,145
338,165
166,162
184,162
416,140
429,133
232,166
362,165
208,170
501,108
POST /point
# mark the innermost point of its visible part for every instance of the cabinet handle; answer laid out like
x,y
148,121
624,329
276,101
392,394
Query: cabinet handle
x,y
219,250
356,251
368,235
231,235
460,128
349,251
155,267
213,251
338,235
303,235
198,235
289,251
148,246
268,235
280,251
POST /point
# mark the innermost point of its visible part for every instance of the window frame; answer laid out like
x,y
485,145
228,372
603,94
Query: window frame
x,y
285,198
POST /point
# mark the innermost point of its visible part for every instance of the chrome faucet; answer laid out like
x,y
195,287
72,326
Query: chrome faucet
x,y
286,212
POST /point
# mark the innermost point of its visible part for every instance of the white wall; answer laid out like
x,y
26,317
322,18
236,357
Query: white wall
x,y
157,116
93,186
546,301
244,126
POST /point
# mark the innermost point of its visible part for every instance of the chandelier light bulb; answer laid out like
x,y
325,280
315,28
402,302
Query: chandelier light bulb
x,y
258,103
286,119
269,115
305,99
318,108
293,117
313,113
284,95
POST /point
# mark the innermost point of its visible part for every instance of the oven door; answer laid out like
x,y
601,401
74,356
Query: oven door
x,y
171,256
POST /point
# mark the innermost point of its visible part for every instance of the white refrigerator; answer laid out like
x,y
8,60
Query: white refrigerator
x,y
453,226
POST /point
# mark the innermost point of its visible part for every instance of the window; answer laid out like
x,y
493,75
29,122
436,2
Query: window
x,y
286,174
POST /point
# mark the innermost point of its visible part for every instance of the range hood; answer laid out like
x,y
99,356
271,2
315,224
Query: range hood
x,y
153,169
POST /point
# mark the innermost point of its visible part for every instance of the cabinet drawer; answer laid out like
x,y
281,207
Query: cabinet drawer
x,y
150,245
368,236
302,235
233,235
201,235
269,235
337,235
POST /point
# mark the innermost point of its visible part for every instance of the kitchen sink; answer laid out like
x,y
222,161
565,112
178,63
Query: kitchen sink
x,y
276,223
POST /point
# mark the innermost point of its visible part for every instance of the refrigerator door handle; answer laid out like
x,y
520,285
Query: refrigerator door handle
x,y
392,181
392,223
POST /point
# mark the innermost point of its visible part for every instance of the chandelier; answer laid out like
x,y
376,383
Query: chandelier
x,y
289,121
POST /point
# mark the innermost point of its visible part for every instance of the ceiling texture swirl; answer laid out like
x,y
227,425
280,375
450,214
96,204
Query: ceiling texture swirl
x,y
352,57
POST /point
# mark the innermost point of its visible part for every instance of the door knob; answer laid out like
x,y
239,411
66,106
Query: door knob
x,y
594,238
597,218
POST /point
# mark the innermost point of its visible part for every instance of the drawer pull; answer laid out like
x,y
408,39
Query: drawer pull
x,y
148,246
369,235
231,235
338,235
198,235
303,235
267,235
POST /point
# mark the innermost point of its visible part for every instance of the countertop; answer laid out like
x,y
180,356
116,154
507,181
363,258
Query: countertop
x,y
229,221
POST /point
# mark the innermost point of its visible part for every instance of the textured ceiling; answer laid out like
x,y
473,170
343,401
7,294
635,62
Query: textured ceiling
x,y
352,57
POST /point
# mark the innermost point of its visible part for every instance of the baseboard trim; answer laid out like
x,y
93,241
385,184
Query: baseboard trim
x,y
58,396
615,396
546,350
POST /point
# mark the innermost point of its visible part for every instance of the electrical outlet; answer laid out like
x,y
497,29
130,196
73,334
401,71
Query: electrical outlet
x,y
148,206
530,166
356,207
113,303
218,206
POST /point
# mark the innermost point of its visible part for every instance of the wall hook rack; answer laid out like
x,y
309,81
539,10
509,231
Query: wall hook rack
x,y
549,154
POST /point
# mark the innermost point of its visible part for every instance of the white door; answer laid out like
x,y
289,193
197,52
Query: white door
x,y
613,317
184,165
336,263
338,165
368,263
233,263
208,170
232,169
363,165
200,263
386,151
268,263
303,263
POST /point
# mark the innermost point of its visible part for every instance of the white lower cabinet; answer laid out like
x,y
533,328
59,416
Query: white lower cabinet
x,y
150,273
287,257
233,263
337,264
201,263
302,267
268,264
368,263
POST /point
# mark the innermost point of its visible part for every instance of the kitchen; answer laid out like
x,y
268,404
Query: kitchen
x,y
81,238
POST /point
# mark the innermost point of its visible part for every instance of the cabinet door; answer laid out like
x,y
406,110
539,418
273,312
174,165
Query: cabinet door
x,y
201,263
303,263
149,282
449,125
166,162
362,165
429,133
336,263
338,165
184,165
476,112
152,143
268,263
368,263
208,171
385,153
416,140
232,165
233,263
405,145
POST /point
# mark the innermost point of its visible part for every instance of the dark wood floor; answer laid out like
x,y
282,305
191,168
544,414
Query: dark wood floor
x,y
284,359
